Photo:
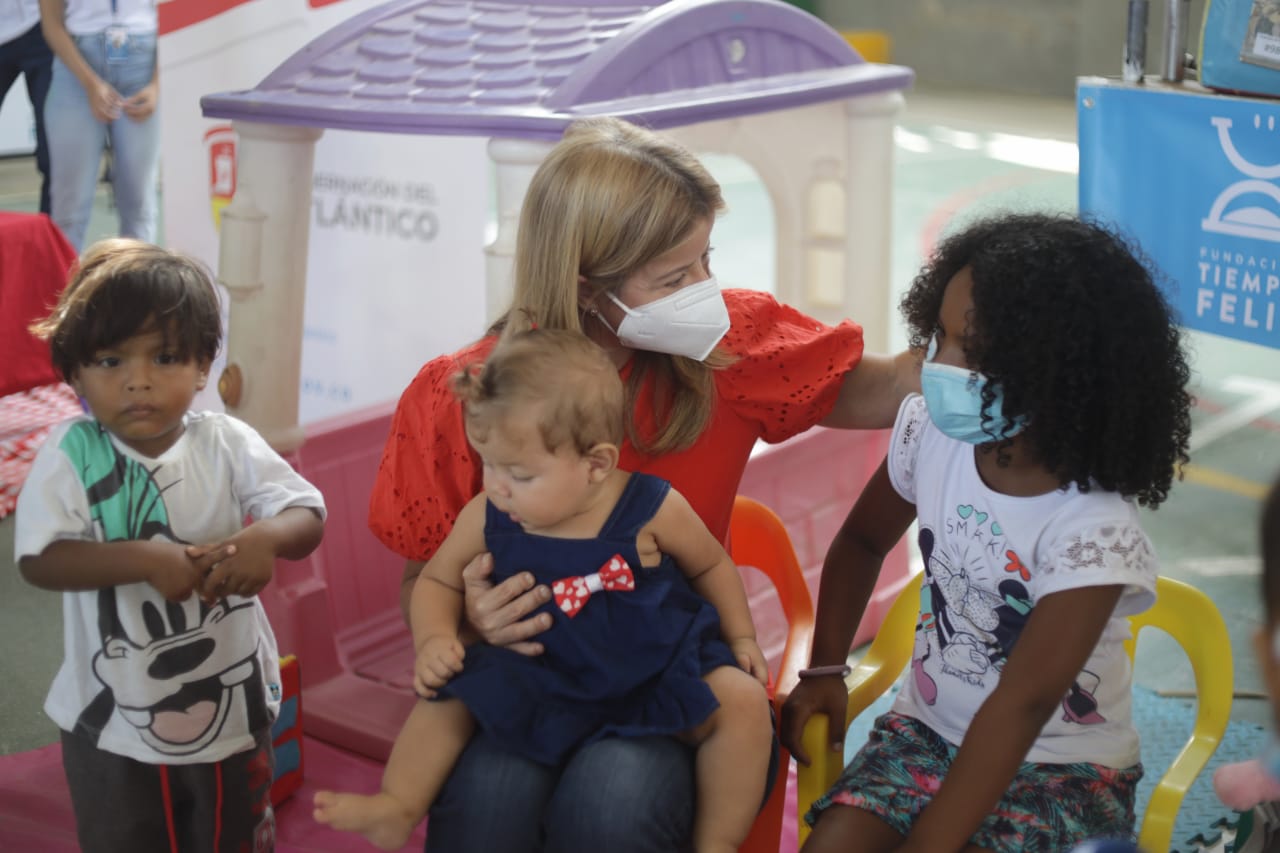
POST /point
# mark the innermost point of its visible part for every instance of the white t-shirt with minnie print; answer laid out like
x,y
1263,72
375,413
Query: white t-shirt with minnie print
x,y
989,558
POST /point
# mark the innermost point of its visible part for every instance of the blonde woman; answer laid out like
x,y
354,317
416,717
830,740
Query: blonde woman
x,y
615,242
653,633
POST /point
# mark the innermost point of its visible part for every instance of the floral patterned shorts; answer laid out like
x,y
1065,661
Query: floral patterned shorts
x,y
899,770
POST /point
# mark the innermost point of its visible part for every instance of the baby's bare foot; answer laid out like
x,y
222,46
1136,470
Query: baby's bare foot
x,y
379,818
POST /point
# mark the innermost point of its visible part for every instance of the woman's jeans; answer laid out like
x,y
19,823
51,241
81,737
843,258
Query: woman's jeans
x,y
621,795
77,139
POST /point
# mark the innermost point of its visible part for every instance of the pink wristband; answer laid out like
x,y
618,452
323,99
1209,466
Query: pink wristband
x,y
840,669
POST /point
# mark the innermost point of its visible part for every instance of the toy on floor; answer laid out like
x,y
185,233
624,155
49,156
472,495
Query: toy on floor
x,y
1251,789
1258,830
286,733
1245,784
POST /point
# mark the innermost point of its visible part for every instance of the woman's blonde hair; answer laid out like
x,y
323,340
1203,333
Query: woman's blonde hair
x,y
562,376
607,200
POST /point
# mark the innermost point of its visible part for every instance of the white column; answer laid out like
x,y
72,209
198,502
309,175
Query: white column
x,y
262,261
515,161
868,225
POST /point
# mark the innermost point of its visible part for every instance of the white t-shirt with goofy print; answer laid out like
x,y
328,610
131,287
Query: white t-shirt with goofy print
x,y
158,681
988,559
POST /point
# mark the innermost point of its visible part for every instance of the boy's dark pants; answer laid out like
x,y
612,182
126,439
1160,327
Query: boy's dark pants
x,y
127,806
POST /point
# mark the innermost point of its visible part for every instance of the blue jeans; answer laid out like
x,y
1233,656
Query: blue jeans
x,y
29,56
77,140
623,795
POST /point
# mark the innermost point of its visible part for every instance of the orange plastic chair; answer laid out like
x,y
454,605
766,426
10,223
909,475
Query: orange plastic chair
x,y
758,538
1183,612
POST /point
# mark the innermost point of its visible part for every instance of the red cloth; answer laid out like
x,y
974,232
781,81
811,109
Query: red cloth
x,y
34,261
25,421
788,374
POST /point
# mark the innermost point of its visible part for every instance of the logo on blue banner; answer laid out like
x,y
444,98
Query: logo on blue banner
x,y
1195,178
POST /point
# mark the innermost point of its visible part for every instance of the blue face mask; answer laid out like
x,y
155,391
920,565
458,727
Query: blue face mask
x,y
953,396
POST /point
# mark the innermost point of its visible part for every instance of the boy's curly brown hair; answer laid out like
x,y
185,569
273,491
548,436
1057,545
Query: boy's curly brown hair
x,y
122,287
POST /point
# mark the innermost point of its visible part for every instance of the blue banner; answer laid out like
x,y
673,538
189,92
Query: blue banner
x,y
1194,178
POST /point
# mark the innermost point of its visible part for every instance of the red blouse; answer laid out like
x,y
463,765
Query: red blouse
x,y
788,374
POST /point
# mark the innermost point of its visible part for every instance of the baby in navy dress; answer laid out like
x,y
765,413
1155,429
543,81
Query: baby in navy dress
x,y
651,634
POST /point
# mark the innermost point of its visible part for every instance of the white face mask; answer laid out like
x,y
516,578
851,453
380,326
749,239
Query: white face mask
x,y
689,322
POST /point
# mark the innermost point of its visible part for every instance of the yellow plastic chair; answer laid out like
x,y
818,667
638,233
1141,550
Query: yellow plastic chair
x,y
1182,611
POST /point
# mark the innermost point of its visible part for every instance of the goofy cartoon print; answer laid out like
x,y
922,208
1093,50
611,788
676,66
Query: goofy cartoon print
x,y
175,673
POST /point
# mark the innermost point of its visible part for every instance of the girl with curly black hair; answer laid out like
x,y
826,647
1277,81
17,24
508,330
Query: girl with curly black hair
x,y
1054,402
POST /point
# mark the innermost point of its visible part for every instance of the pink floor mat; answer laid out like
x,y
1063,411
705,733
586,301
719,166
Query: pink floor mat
x,y
35,811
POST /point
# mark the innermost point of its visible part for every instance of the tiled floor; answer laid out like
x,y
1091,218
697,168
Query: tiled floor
x,y
957,154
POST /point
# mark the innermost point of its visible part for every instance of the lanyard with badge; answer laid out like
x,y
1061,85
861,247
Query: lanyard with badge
x,y
117,36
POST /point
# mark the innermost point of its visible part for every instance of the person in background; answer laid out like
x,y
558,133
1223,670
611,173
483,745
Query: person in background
x,y
103,95
24,53
614,243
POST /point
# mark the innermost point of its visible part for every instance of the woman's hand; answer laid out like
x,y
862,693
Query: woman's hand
x,y
824,695
104,101
143,103
497,613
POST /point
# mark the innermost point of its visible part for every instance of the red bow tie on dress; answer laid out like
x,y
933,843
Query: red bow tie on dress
x,y
572,593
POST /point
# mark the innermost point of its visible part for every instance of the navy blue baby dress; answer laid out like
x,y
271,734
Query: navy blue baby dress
x,y
630,663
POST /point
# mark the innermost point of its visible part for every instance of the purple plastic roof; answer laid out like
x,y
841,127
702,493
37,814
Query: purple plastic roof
x,y
518,69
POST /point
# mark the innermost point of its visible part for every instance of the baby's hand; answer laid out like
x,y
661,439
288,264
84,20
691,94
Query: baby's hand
x,y
247,567
746,651
439,659
174,576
